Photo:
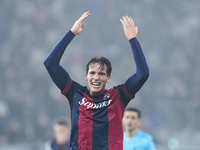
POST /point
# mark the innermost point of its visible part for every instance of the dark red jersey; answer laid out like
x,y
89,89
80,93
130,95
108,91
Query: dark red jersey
x,y
96,121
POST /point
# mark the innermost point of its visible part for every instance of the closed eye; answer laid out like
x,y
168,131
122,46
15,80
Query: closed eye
x,y
92,72
101,73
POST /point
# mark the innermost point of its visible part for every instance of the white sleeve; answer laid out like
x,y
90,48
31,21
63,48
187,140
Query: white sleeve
x,y
47,145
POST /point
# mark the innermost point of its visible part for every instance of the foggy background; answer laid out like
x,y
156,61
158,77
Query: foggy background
x,y
169,33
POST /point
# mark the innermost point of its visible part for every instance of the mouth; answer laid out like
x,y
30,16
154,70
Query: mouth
x,y
129,125
96,83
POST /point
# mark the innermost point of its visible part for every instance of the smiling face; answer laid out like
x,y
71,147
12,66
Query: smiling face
x,y
97,78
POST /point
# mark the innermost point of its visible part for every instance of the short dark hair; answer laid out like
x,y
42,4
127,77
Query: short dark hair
x,y
62,122
102,61
135,110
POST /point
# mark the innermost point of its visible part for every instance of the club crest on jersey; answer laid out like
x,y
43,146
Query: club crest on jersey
x,y
91,105
107,96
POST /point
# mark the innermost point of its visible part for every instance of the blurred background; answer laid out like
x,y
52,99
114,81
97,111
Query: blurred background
x,y
169,33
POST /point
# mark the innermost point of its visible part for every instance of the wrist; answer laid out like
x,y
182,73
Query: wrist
x,y
73,31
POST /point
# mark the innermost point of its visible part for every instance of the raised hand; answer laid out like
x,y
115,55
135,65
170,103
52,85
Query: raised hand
x,y
129,27
79,24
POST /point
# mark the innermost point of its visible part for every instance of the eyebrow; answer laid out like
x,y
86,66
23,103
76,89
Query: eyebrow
x,y
103,73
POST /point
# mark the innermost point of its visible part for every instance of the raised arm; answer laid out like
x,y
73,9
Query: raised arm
x,y
135,82
52,63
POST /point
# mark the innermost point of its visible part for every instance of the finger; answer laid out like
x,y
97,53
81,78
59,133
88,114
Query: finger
x,y
84,16
125,19
122,21
136,30
129,19
82,25
132,22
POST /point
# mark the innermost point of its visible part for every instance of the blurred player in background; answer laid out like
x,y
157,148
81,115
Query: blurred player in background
x,y
61,136
134,138
96,113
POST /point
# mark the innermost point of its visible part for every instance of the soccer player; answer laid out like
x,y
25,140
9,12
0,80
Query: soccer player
x,y
61,134
96,113
134,138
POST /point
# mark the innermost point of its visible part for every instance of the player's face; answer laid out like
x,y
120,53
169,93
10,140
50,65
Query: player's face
x,y
97,79
61,134
131,121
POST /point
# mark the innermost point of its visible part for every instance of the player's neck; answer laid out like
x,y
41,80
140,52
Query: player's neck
x,y
131,133
96,95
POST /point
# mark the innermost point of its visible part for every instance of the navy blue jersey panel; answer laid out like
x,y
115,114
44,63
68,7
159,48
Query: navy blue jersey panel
x,y
123,97
100,129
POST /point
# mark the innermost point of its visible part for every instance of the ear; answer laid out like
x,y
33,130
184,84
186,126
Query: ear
x,y
86,77
139,122
108,80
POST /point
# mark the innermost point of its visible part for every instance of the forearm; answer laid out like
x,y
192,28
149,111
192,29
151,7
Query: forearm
x,y
135,82
52,63
56,54
142,69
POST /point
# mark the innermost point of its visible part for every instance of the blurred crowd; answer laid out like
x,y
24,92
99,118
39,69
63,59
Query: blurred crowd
x,y
168,33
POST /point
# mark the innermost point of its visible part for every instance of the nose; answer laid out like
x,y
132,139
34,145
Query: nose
x,y
96,76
